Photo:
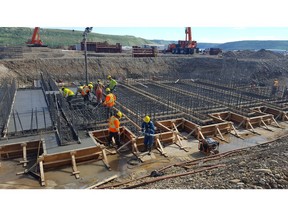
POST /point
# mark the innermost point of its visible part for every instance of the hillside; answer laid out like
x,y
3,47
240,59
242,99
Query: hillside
x,y
61,38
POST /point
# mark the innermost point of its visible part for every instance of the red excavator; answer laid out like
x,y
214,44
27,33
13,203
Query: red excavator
x,y
35,40
187,46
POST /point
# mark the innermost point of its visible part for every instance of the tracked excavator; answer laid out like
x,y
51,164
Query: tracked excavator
x,y
35,40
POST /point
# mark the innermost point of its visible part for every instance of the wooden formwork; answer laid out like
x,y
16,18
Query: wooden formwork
x,y
199,132
279,115
248,123
21,149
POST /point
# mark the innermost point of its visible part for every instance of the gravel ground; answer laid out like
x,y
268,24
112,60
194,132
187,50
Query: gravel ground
x,y
260,167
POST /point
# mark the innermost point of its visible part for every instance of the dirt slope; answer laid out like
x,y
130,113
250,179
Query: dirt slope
x,y
262,67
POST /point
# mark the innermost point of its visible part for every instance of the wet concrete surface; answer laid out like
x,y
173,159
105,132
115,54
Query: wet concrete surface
x,y
125,165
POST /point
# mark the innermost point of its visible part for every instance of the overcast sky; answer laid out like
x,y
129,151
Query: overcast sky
x,y
211,21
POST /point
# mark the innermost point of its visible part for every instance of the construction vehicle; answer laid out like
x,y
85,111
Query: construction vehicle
x,y
35,40
208,146
187,46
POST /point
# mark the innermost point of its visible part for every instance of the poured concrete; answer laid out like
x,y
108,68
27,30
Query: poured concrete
x,y
28,102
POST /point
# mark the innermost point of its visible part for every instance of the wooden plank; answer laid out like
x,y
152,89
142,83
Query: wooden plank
x,y
103,182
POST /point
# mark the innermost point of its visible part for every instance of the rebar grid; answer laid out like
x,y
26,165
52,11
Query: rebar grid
x,y
136,106
186,103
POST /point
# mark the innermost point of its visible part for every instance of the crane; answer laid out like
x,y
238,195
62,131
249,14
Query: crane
x,y
35,40
187,46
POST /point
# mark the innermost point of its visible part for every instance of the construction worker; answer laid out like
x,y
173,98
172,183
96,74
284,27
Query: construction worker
x,y
99,91
109,102
68,94
112,84
275,87
84,91
114,129
148,129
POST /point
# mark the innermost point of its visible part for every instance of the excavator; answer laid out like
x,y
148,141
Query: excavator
x,y
187,46
35,40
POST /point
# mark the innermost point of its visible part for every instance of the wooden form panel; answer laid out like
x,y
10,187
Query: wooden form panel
x,y
278,114
65,158
15,150
101,136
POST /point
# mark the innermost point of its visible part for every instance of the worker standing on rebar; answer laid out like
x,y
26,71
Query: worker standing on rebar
x,y
275,87
148,129
112,84
114,129
68,94
109,102
99,91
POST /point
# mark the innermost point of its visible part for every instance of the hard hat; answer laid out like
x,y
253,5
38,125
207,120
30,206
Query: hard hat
x,y
146,119
98,80
119,114
90,85
63,88
109,77
108,90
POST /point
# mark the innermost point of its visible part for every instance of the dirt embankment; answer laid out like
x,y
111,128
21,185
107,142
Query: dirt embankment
x,y
229,68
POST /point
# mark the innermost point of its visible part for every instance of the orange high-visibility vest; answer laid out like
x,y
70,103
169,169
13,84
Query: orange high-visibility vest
x,y
85,90
114,124
110,100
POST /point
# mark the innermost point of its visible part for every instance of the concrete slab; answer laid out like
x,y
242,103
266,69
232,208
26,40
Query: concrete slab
x,y
31,106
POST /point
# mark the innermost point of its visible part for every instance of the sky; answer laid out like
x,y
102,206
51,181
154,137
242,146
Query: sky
x,y
211,21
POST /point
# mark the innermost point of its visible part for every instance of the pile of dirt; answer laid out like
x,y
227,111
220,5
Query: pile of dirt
x,y
265,54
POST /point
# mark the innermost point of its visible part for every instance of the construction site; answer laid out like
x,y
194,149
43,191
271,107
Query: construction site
x,y
191,99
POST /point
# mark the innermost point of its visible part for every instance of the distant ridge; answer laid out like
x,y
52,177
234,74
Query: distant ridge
x,y
56,38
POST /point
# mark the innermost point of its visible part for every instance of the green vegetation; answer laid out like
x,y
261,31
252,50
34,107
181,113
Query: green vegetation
x,y
56,38
61,38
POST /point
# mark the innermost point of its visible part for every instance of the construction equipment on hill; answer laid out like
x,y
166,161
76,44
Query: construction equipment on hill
x,y
187,46
35,40
209,146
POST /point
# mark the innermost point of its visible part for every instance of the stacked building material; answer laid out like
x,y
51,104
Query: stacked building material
x,y
102,47
11,52
144,52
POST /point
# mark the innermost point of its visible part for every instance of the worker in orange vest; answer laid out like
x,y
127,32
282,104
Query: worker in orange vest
x,y
109,102
85,91
114,129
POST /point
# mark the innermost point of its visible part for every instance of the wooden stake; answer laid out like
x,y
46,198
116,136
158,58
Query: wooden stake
x,y
105,160
74,166
42,176
160,147
25,161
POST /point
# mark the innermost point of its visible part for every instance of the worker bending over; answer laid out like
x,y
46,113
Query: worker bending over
x,y
112,84
148,129
68,94
114,129
99,91
85,92
109,102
